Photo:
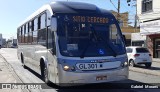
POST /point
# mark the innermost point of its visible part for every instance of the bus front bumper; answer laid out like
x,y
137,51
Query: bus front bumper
x,y
88,77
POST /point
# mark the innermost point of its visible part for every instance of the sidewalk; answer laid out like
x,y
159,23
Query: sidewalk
x,y
154,70
156,60
7,76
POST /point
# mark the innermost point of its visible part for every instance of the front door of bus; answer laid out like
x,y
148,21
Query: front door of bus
x,y
51,55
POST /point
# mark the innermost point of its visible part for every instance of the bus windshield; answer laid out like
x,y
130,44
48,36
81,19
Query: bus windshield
x,y
85,36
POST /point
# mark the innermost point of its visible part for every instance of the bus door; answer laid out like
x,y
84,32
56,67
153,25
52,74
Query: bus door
x,y
51,54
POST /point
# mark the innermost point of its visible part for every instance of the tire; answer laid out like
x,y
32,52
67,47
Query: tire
x,y
45,75
148,65
131,63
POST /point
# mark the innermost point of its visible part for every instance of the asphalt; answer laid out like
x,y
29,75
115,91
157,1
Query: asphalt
x,y
156,60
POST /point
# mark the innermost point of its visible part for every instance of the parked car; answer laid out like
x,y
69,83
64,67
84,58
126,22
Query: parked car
x,y
138,55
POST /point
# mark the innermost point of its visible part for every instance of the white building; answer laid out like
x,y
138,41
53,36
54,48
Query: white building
x,y
148,12
138,40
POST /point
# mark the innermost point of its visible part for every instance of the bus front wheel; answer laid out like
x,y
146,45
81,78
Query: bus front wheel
x,y
45,74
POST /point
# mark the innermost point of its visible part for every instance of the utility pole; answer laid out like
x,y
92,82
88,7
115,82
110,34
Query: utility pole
x,y
118,15
136,18
135,5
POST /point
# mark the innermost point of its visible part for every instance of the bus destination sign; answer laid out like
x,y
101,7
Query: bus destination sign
x,y
89,19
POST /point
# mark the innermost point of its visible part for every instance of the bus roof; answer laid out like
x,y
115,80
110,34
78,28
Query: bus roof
x,y
74,7
68,7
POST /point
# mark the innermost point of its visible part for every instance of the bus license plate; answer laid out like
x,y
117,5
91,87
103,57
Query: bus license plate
x,y
89,66
98,78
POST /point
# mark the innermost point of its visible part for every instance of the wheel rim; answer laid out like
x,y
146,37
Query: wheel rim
x,y
45,75
131,63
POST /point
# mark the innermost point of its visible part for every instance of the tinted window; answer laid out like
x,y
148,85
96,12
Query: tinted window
x,y
27,30
129,50
141,50
43,21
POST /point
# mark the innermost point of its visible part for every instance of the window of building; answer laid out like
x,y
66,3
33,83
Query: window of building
x,y
147,5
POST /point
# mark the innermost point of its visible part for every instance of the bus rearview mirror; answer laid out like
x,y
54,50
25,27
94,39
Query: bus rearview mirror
x,y
54,24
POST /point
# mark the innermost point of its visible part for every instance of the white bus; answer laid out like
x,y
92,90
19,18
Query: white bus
x,y
71,42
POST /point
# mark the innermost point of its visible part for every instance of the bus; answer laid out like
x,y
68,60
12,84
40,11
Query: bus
x,y
73,42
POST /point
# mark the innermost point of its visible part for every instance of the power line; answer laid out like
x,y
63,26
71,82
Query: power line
x,y
113,5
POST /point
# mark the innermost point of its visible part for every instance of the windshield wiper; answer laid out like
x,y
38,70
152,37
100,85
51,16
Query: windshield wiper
x,y
96,36
105,42
84,51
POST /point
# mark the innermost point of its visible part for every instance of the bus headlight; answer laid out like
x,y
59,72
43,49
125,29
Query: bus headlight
x,y
66,68
124,64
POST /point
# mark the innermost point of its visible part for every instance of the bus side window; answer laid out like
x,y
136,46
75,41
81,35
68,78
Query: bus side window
x,y
26,33
35,31
30,33
49,38
22,41
42,31
19,35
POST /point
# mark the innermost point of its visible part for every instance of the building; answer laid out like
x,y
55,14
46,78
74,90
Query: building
x,y
4,42
148,12
138,40
11,43
1,39
126,29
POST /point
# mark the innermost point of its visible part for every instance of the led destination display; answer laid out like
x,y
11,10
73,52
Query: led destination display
x,y
90,19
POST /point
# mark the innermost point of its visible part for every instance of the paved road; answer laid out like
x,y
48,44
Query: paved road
x,y
29,76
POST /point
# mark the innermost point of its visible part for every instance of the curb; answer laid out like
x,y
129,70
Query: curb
x,y
145,71
156,60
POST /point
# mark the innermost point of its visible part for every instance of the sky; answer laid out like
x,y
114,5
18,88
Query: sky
x,y
13,12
